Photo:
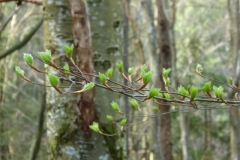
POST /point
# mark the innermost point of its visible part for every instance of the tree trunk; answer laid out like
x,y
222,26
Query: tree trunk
x,y
165,62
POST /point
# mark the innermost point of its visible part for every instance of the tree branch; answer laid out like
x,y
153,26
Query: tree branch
x,y
23,42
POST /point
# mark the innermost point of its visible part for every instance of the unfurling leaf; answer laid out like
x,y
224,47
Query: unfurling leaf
x,y
147,77
155,108
53,79
130,70
183,91
120,66
102,77
94,127
123,121
19,71
153,92
68,50
134,103
218,91
167,95
115,106
144,68
109,73
66,68
160,95
166,72
88,86
110,118
45,56
28,58
194,92
230,80
167,81
207,87
199,68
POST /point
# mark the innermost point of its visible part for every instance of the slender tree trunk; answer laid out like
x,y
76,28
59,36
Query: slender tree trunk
x,y
234,112
165,62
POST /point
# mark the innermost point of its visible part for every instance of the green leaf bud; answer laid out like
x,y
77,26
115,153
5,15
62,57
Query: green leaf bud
x,y
130,70
155,108
153,92
19,71
160,95
120,66
167,81
66,68
45,56
144,68
53,79
123,121
110,118
134,103
147,77
199,68
68,50
194,92
102,77
28,58
94,127
115,106
88,86
109,73
167,95
230,80
207,87
166,72
218,91
182,90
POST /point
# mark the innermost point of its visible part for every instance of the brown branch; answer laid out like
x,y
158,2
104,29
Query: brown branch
x,y
28,1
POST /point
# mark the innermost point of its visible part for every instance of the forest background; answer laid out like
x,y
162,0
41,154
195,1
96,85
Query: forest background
x,y
177,34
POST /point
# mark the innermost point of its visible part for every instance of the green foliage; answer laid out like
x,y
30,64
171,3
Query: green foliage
x,y
66,69
68,50
130,70
153,92
194,92
167,95
155,108
110,118
167,81
207,87
166,72
120,66
123,121
95,127
218,91
160,95
109,73
53,79
88,86
19,71
45,56
147,77
134,103
28,58
182,90
230,80
115,106
199,68
144,68
102,77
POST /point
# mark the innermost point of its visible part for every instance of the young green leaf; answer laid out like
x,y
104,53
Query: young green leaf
x,y
134,103
66,68
28,58
102,77
167,81
94,127
115,106
199,68
218,91
130,70
230,80
167,95
207,87
19,71
68,50
194,92
53,79
144,68
110,118
120,66
153,92
88,86
45,56
155,108
147,77
109,73
123,121
166,72
160,95
182,90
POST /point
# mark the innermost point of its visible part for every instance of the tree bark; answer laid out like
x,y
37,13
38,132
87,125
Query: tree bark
x,y
165,62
